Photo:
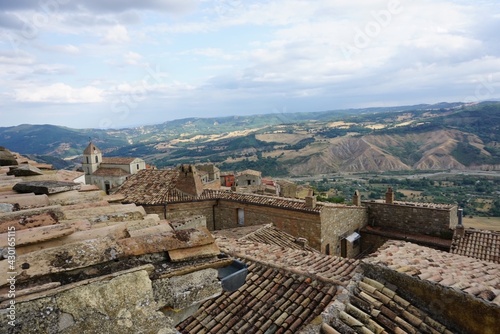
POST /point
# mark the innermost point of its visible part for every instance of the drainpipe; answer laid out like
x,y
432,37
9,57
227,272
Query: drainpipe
x,y
213,213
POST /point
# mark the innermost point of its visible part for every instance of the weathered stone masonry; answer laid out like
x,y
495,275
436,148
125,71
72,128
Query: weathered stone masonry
x,y
415,219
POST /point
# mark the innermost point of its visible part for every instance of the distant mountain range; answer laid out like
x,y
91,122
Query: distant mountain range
x,y
440,136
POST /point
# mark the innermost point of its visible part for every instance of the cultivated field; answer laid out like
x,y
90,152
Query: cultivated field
x,y
484,223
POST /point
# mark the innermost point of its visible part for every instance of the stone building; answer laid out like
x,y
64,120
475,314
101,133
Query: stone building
x,y
108,172
426,224
248,178
210,176
287,189
173,194
227,179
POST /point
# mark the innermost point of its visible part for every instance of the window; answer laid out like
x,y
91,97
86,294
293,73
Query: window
x,y
88,160
96,158
241,217
137,166
249,182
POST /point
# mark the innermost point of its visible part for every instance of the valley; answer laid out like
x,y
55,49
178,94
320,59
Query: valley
x,y
443,153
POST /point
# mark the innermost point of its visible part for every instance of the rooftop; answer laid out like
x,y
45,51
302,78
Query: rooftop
x,y
272,300
270,235
416,204
471,276
311,264
158,187
118,160
376,307
479,244
91,149
74,245
250,172
110,172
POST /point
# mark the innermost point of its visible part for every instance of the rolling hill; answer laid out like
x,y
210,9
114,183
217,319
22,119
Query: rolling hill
x,y
443,136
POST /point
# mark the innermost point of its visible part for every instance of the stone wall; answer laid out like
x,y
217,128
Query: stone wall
x,y
297,223
371,242
413,219
339,222
203,208
455,309
176,211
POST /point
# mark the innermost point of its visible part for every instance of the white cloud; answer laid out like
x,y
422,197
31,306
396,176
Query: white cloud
x,y
247,55
59,93
117,34
132,58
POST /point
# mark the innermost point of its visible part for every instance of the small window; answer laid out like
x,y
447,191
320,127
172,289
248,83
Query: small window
x,y
137,166
88,160
241,217
96,158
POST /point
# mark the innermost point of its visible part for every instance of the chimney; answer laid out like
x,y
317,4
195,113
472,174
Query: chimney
x,y
356,198
460,214
389,196
310,200
459,229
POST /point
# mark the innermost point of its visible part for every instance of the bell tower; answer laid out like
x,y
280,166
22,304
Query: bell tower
x,y
92,158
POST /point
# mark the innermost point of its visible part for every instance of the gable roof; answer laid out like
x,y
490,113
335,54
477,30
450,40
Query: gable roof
x,y
110,172
479,244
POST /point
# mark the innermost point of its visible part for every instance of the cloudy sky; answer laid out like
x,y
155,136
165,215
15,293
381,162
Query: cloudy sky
x,y
118,63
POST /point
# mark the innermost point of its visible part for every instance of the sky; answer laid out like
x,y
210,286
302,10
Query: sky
x,y
121,63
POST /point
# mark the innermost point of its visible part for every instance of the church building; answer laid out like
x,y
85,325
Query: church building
x,y
108,173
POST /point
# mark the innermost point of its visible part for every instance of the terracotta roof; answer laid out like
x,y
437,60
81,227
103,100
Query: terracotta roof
x,y
117,160
149,186
475,277
374,307
271,301
479,244
157,187
319,266
110,172
91,149
268,234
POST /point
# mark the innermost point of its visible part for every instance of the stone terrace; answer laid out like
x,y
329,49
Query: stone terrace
x,y
479,244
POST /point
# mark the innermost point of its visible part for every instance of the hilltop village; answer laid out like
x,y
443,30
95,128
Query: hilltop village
x,y
121,247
